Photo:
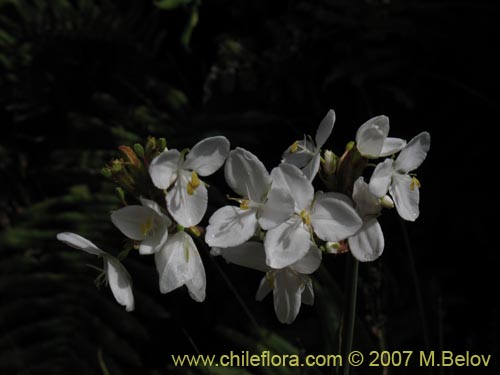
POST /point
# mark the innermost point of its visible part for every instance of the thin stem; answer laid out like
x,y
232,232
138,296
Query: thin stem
x,y
349,317
416,284
244,307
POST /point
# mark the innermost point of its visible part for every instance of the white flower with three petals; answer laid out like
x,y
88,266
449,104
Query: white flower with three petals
x,y
372,139
247,176
305,154
144,223
187,198
291,286
178,263
117,277
367,244
329,215
393,176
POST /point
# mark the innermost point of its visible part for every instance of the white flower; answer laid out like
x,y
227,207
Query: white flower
x,y
305,154
329,215
187,199
231,225
291,286
372,141
393,176
368,242
179,263
118,278
144,223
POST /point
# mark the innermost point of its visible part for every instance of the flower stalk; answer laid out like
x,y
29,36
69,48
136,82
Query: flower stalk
x,y
349,315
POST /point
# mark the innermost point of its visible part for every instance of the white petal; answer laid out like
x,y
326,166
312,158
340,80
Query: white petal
x,y
405,199
250,254
325,128
311,169
186,209
414,153
155,207
371,135
231,226
308,293
278,208
264,288
309,262
197,284
381,178
287,293
367,204
286,243
302,156
246,175
78,242
333,219
155,240
291,179
391,146
120,282
130,220
163,168
176,262
207,155
368,244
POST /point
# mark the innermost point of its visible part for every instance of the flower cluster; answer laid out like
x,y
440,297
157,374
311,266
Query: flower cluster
x,y
280,224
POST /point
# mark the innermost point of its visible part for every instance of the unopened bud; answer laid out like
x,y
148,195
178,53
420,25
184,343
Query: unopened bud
x,y
329,162
195,230
106,172
387,202
116,165
121,195
130,156
162,144
139,150
150,146
332,247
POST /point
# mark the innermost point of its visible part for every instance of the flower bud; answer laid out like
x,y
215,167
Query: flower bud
x,y
139,150
121,195
387,202
106,172
162,144
332,247
150,146
130,156
329,162
116,165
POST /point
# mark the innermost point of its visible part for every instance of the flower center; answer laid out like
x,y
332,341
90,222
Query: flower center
x,y
244,204
147,226
193,183
414,182
306,218
294,147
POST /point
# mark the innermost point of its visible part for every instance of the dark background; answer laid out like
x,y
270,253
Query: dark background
x,y
80,78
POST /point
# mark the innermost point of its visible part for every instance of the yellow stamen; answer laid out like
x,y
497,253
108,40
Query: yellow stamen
x,y
244,204
306,218
195,230
294,147
147,226
414,182
193,184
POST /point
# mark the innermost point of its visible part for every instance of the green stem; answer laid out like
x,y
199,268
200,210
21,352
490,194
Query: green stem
x,y
349,317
